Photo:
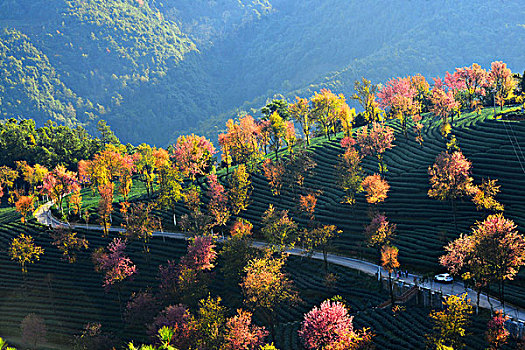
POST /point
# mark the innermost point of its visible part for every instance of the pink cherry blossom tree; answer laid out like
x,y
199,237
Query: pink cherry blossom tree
x,y
193,155
114,263
330,327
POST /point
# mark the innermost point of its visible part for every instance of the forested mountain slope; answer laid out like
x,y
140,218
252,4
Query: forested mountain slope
x,y
173,67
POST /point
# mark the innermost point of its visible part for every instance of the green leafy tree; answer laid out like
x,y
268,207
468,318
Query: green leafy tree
x,y
279,106
210,323
365,94
319,237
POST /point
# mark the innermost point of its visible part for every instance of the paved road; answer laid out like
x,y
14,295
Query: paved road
x,y
44,216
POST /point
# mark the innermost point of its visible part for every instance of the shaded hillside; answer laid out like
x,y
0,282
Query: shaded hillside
x,y
175,67
30,87
67,304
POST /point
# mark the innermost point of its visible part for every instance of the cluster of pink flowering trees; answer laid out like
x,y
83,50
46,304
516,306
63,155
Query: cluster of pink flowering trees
x,y
468,88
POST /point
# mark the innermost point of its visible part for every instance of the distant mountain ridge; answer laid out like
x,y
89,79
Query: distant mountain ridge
x,y
155,69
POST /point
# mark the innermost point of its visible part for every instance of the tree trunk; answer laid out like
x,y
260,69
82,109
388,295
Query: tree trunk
x,y
391,288
478,292
503,294
453,202
488,299
325,258
306,134
381,165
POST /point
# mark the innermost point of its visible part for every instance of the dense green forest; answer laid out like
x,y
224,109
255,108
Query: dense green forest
x,y
175,67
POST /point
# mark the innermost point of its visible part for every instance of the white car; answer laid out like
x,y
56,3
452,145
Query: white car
x,y
444,278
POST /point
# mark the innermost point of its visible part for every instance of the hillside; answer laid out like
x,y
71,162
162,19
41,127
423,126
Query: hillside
x,y
176,67
68,305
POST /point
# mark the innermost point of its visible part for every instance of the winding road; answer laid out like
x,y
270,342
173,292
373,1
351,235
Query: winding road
x,y
44,217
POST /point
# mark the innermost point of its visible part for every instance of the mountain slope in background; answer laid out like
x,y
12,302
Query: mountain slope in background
x,y
156,69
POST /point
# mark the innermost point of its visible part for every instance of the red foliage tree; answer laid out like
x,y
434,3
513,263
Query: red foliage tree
x,y
179,320
274,172
218,204
450,178
193,155
376,141
330,327
241,334
114,263
141,223
497,335
389,262
25,205
400,96
307,204
59,183
241,141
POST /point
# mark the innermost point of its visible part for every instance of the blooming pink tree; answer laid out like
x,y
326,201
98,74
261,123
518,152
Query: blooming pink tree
x,y
497,334
444,105
241,334
114,263
376,141
330,327
33,330
179,320
218,204
193,155
494,252
400,96
188,279
201,254
59,183
475,81
450,178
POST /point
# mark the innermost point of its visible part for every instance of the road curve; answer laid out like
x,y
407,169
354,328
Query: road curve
x,y
43,216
